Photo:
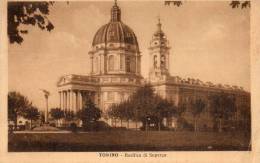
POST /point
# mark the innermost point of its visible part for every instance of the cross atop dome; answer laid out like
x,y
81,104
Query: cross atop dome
x,y
159,25
115,13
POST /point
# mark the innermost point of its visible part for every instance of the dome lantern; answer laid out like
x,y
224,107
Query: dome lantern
x,y
115,31
115,13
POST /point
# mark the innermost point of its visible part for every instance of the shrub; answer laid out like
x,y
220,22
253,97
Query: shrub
x,y
73,127
53,125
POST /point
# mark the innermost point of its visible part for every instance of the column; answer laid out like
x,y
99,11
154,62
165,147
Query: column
x,y
83,96
90,96
68,105
98,99
63,99
80,100
60,98
136,64
91,62
105,64
71,100
208,105
93,97
101,101
76,101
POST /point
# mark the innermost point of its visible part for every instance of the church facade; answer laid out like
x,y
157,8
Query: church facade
x,y
116,73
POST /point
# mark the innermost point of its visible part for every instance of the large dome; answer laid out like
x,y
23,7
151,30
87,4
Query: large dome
x,y
115,31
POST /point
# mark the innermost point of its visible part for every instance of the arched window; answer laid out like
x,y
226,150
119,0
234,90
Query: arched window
x,y
128,63
111,63
163,61
133,64
155,61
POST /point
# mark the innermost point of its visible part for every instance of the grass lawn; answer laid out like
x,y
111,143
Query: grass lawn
x,y
129,141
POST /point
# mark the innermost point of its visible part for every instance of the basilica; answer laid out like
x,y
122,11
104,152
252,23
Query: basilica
x,y
116,73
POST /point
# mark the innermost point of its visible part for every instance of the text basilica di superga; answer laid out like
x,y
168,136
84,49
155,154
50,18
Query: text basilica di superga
x,y
116,73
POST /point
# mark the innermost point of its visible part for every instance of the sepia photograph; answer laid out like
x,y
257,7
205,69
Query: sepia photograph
x,y
104,76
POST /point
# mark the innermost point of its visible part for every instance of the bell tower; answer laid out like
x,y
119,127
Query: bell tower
x,y
159,55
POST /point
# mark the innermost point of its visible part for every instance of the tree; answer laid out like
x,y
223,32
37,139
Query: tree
x,y
245,113
17,104
42,117
128,112
89,114
69,115
122,111
27,13
223,106
142,102
57,114
32,114
180,110
163,109
150,108
197,108
143,106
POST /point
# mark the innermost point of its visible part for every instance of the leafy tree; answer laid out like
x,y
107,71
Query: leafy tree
x,y
42,117
128,112
113,112
32,114
181,109
223,106
149,107
245,113
163,109
198,107
120,113
142,102
27,13
123,111
89,114
17,104
57,114
143,106
70,115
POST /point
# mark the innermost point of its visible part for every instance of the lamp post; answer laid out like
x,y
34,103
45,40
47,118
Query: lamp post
x,y
46,95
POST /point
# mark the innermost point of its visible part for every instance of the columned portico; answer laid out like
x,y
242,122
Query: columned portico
x,y
75,99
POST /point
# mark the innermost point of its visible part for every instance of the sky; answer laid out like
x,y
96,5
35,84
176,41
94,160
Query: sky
x,y
209,41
